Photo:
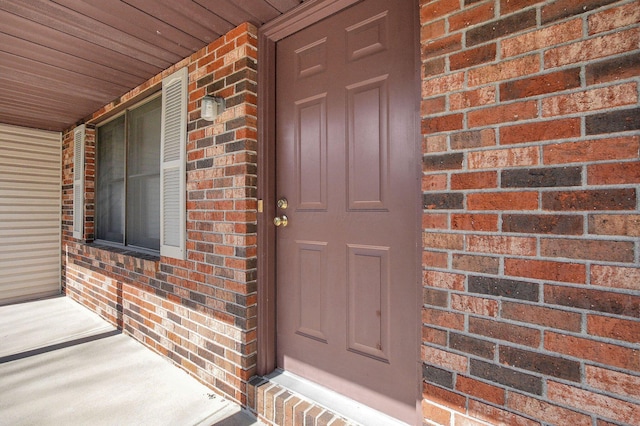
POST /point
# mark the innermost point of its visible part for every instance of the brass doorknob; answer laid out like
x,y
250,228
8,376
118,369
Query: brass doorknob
x,y
281,221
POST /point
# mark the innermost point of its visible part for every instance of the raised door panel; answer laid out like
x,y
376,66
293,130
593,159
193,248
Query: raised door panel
x,y
369,286
368,143
311,150
311,263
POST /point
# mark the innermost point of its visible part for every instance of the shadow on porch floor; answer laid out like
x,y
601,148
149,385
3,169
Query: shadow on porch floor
x,y
62,364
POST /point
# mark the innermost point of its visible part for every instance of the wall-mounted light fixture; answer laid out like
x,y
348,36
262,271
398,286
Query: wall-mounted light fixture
x,y
212,106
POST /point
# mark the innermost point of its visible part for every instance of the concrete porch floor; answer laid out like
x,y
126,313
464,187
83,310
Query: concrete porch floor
x,y
61,364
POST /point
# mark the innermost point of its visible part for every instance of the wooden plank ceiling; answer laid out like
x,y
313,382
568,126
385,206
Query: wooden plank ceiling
x,y
61,60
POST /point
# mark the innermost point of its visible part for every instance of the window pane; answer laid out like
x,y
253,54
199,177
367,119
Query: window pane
x,y
143,184
110,182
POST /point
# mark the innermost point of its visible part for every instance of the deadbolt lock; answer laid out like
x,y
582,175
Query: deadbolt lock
x,y
282,203
281,221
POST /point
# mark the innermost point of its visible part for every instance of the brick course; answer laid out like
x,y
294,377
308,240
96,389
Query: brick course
x,y
541,326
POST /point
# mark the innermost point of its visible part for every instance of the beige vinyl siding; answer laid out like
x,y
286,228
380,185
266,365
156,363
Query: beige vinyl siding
x,y
30,172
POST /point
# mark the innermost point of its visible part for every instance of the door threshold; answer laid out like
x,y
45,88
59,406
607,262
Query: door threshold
x,y
284,398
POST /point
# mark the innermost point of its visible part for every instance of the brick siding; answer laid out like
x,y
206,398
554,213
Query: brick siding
x,y
530,126
276,405
200,312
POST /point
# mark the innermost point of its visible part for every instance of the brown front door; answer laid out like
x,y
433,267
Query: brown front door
x,y
347,165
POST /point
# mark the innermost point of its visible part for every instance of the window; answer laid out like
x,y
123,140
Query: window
x,y
140,183
128,177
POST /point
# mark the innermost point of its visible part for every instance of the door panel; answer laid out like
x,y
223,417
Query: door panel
x,y
367,118
369,287
346,161
311,149
367,37
312,265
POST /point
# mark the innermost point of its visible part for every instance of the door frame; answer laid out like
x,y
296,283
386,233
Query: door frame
x,y
307,14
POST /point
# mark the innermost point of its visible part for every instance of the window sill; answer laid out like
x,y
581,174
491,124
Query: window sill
x,y
125,251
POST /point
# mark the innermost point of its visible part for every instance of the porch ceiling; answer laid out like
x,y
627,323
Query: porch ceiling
x,y
61,60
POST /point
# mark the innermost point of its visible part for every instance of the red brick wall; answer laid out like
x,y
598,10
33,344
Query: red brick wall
x,y
531,215
201,312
